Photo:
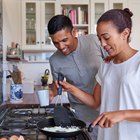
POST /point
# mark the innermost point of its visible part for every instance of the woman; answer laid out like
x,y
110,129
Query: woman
x,y
118,81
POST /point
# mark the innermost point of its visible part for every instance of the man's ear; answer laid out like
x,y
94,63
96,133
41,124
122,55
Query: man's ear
x,y
125,33
74,32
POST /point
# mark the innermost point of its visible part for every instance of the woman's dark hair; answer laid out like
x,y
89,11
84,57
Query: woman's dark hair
x,y
58,23
120,18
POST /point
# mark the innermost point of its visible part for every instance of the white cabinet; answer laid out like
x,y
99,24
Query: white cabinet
x,y
35,17
98,7
134,6
79,13
84,15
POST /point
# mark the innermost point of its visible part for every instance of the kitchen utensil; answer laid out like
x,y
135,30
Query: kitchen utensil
x,y
49,122
16,75
16,93
61,115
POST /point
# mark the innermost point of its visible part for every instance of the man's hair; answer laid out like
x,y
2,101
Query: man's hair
x,y
59,22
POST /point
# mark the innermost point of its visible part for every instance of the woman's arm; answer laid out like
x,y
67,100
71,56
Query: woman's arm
x,y
88,99
109,119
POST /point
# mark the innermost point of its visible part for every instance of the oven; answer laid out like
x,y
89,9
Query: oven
x,y
22,121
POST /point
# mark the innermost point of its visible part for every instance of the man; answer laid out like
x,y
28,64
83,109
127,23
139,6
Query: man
x,y
78,59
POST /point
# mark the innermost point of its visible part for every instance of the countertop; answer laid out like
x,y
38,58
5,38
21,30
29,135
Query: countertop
x,y
29,100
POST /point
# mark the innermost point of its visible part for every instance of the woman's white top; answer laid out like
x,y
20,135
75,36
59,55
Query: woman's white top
x,y
120,90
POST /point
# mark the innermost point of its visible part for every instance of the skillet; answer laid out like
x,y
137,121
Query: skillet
x,y
49,122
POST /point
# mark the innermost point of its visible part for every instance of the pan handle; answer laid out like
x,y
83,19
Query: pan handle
x,y
90,128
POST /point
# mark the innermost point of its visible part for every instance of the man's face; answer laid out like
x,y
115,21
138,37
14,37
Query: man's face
x,y
65,41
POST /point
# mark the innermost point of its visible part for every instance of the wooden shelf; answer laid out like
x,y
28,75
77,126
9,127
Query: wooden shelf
x,y
37,51
16,59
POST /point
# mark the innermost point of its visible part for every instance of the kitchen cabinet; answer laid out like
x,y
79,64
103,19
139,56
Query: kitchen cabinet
x,y
78,12
35,17
134,6
98,7
37,13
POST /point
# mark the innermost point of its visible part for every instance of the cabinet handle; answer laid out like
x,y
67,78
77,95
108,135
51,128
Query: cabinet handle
x,y
42,42
37,42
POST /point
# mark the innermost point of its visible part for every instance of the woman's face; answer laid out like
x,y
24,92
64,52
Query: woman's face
x,y
65,41
111,40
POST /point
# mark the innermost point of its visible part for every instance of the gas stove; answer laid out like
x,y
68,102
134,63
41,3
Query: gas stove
x,y
22,121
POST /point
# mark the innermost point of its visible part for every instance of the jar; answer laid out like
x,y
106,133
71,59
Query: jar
x,y
16,93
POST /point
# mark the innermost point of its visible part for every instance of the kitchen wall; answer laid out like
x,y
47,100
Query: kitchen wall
x,y
1,53
134,6
12,32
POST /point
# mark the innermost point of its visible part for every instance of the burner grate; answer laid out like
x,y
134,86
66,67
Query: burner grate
x,y
18,113
15,125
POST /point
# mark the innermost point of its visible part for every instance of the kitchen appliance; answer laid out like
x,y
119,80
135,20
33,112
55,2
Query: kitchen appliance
x,y
23,121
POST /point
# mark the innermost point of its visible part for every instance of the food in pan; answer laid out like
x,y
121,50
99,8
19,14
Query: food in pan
x,y
61,129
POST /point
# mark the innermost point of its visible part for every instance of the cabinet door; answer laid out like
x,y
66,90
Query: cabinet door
x,y
35,17
78,12
134,6
98,7
48,10
30,24
117,4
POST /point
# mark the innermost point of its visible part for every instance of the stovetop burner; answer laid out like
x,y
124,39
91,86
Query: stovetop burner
x,y
17,113
23,122
35,119
15,125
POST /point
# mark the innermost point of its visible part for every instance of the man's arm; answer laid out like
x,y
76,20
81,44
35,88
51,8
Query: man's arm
x,y
52,90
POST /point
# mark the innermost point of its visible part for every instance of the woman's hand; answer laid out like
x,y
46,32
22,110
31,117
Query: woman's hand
x,y
109,119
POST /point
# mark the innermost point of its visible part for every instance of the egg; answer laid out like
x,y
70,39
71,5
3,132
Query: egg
x,y
21,137
3,138
13,137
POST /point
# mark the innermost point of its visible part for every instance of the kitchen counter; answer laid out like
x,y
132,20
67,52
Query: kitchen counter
x,y
29,100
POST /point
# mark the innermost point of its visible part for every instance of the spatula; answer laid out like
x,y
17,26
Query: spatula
x,y
61,115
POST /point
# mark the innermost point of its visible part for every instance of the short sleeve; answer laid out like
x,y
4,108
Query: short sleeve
x,y
99,75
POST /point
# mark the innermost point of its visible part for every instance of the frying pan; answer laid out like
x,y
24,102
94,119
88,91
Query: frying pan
x,y
49,122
